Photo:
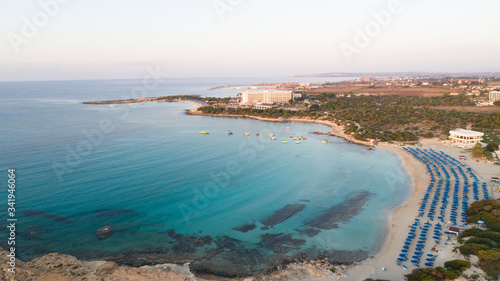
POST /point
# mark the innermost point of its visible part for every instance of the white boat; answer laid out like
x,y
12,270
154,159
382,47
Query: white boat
x,y
297,142
285,142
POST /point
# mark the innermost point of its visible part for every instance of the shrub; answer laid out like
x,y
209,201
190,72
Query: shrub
x,y
492,146
421,275
483,241
451,274
492,268
489,255
470,232
493,236
460,265
471,249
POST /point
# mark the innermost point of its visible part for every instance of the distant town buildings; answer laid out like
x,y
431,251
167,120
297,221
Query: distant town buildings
x,y
465,138
494,95
367,79
266,97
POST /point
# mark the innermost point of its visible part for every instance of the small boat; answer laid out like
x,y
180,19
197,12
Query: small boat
x,y
229,132
285,142
111,105
204,132
304,138
256,134
288,128
247,134
297,142
324,142
296,139
273,138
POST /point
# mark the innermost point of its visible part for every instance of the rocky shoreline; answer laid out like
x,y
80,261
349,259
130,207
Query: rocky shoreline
x,y
58,267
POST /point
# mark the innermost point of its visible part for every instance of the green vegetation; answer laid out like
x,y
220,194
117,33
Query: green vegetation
x,y
492,146
210,100
453,270
379,116
497,103
478,151
487,211
435,274
268,113
484,243
386,118
489,135
459,265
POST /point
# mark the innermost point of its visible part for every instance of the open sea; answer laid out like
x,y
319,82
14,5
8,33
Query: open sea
x,y
235,205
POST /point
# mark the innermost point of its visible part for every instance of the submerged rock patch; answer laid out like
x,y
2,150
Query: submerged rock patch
x,y
281,243
283,214
245,228
342,212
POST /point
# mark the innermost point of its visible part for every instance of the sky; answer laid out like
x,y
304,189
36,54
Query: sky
x,y
120,39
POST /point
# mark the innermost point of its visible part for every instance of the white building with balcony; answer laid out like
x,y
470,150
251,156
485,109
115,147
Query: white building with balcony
x,y
465,138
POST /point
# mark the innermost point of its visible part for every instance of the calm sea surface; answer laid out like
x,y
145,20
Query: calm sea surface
x,y
235,204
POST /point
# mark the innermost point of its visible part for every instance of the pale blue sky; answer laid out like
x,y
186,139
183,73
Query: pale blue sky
x,y
119,38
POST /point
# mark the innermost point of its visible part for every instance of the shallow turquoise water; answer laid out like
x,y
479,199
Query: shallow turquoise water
x,y
159,184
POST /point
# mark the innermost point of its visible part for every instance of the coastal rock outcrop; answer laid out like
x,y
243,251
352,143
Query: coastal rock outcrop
x,y
59,267
103,232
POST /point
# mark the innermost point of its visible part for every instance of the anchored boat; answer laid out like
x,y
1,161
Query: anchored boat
x,y
204,132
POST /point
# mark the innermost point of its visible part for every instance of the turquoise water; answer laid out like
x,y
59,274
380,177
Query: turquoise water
x,y
171,194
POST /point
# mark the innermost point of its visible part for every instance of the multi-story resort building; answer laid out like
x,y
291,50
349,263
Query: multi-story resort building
x,y
465,138
266,97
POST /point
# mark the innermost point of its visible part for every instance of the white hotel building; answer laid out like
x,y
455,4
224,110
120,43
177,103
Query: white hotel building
x,y
465,138
266,97
494,95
